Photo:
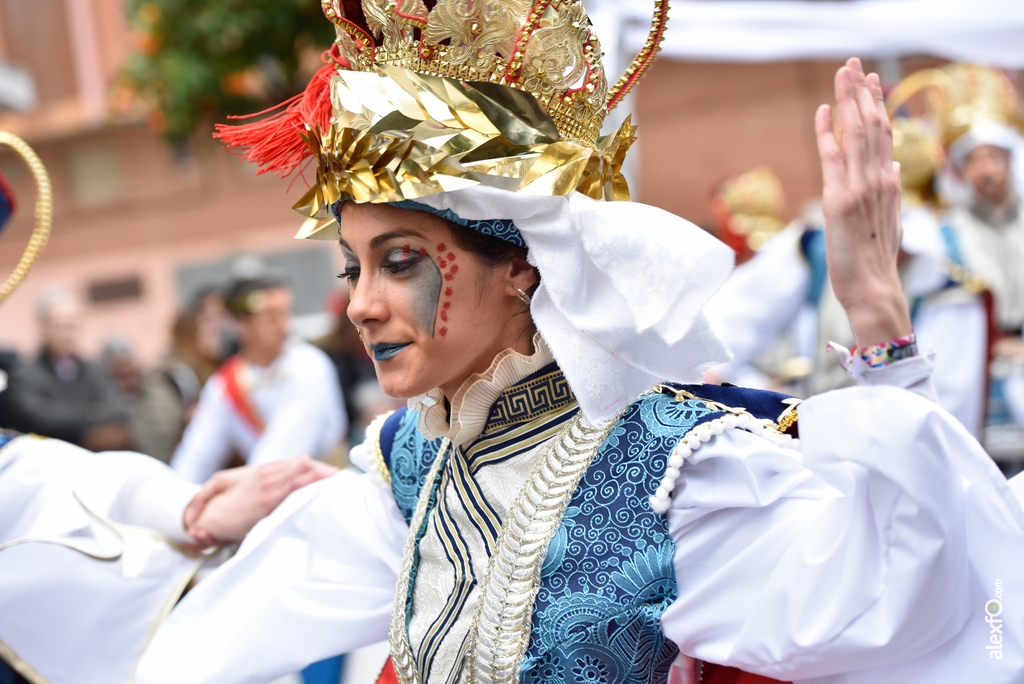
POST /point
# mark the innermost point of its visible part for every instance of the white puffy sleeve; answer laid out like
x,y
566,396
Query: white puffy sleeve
x,y
877,543
314,579
79,593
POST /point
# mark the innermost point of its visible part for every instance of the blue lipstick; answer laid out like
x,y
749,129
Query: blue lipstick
x,y
386,350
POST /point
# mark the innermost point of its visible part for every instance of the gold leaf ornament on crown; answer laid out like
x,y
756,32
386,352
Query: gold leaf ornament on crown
x,y
509,94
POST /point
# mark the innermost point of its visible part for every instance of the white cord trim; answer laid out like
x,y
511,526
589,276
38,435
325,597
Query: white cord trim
x,y
662,499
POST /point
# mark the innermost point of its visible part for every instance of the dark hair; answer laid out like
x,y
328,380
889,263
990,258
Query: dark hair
x,y
237,292
491,251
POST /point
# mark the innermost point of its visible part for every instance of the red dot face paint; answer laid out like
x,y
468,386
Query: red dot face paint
x,y
405,251
446,260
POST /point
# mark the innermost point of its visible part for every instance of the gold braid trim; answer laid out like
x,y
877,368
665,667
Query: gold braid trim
x,y
44,211
373,439
644,58
965,279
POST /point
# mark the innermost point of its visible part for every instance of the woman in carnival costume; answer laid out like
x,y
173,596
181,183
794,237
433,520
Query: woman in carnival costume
x,y
556,503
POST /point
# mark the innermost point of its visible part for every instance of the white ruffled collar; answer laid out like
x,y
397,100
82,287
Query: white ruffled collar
x,y
471,405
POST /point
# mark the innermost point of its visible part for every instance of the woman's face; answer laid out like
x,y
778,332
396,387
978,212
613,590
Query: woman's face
x,y
431,314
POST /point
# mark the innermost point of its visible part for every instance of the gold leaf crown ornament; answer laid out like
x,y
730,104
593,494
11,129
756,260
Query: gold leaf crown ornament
x,y
431,96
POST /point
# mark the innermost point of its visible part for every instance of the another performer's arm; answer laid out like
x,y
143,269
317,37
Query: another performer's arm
x,y
205,447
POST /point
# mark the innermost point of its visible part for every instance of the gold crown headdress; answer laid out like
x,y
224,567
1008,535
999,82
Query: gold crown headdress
x,y
958,97
426,96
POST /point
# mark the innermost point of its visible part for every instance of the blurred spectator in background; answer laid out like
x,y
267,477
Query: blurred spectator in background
x,y
183,365
354,367
277,397
60,394
216,338
788,280
156,416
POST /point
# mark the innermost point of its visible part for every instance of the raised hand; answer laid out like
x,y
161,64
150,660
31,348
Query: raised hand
x,y
861,201
234,500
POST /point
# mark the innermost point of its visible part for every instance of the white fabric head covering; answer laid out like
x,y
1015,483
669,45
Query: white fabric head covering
x,y
950,183
622,289
984,133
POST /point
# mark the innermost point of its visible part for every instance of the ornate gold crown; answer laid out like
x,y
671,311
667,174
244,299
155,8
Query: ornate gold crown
x,y
434,95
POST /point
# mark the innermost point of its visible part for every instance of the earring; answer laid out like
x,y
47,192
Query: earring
x,y
523,296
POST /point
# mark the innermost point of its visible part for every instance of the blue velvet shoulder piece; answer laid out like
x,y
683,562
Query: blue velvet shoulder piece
x,y
388,432
761,404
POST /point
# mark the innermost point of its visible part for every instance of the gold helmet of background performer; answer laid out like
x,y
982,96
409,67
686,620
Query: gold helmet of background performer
x,y
749,209
955,101
917,146
980,95
432,96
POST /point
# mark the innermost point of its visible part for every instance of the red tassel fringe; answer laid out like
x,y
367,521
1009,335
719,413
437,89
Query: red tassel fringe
x,y
275,143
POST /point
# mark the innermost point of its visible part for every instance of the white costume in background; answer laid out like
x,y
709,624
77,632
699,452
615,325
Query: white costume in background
x,y
764,297
298,400
89,558
996,255
874,552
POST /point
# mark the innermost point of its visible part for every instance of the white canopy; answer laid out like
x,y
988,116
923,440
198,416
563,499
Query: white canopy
x,y
983,31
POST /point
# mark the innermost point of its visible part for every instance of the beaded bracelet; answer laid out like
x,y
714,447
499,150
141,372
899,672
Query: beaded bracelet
x,y
878,355
860,359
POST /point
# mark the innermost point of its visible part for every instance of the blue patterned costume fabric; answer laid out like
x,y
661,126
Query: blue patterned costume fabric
x,y
503,229
608,575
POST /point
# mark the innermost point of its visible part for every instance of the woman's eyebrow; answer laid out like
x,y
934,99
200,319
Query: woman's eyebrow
x,y
384,238
391,235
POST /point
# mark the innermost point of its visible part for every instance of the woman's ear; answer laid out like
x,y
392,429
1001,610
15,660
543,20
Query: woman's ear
x,y
522,275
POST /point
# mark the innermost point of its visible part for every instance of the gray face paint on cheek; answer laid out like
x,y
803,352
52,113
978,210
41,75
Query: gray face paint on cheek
x,y
426,281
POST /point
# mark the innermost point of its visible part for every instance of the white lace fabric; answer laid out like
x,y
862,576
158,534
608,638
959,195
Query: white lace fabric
x,y
622,289
472,403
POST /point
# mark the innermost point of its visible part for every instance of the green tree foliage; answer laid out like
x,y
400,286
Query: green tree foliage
x,y
198,60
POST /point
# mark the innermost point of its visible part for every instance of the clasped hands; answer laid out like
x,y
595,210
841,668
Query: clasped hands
x,y
232,501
